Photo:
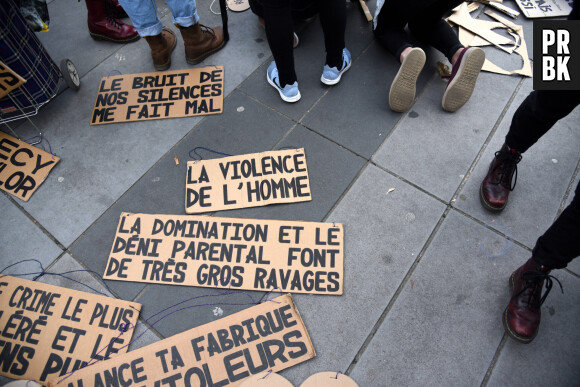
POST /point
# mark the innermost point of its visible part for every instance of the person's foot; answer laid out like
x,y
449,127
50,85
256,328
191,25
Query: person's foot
x,y
521,318
403,88
497,184
162,46
331,75
201,41
288,93
463,77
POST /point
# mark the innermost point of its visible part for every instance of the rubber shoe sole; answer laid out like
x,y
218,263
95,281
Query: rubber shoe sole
x,y
508,330
461,87
104,37
486,204
332,82
296,98
404,86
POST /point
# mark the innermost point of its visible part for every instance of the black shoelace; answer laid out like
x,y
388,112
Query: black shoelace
x,y
532,279
114,22
507,168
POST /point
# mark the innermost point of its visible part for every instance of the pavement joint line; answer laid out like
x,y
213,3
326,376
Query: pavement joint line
x,y
567,270
395,296
345,192
494,360
569,190
487,141
489,227
35,222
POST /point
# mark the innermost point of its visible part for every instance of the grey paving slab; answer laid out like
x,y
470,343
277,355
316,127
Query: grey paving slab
x,y
544,174
384,233
574,266
433,148
356,112
552,358
445,326
330,169
162,189
174,309
309,61
21,239
68,37
98,163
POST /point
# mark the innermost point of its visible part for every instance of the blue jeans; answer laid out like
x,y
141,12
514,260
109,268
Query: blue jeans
x,y
143,14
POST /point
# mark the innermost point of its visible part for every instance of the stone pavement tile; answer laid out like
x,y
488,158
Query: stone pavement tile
x,y
21,239
445,326
173,309
544,174
384,233
68,37
574,266
552,358
330,170
356,112
433,148
162,189
309,61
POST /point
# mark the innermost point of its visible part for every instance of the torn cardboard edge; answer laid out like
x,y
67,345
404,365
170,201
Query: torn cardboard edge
x,y
474,32
23,167
270,335
208,251
48,330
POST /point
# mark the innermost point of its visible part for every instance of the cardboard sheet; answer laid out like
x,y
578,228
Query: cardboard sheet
x,y
9,80
252,254
545,8
225,352
23,167
250,180
152,96
47,331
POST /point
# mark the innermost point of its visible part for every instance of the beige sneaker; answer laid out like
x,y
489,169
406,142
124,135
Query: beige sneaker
x,y
402,93
463,78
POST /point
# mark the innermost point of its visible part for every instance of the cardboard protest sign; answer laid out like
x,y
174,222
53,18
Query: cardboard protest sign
x,y
545,8
152,96
250,180
294,257
270,335
48,331
23,167
9,80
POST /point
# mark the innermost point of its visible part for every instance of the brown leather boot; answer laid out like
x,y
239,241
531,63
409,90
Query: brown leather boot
x,y
103,26
201,41
162,46
497,185
521,318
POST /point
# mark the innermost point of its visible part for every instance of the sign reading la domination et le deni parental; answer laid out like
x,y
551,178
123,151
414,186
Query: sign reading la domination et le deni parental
x,y
152,96
251,254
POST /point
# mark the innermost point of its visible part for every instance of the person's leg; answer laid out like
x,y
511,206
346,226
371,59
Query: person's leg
x,y
428,26
557,247
533,118
280,35
333,21
537,114
143,15
390,27
199,41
